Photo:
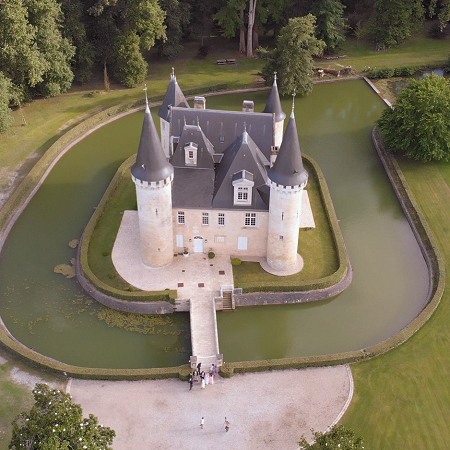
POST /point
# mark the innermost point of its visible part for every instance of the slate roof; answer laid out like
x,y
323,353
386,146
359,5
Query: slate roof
x,y
273,105
243,154
151,163
174,97
222,128
288,168
205,150
192,188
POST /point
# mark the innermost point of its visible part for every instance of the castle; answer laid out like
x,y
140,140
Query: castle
x,y
222,181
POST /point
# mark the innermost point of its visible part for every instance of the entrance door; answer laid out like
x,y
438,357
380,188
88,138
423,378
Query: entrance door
x,y
198,244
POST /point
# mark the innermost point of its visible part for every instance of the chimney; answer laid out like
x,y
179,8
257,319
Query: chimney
x,y
199,102
248,106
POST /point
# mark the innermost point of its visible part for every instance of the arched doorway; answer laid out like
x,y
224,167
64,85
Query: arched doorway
x,y
198,244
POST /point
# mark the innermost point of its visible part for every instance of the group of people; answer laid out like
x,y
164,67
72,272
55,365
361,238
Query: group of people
x,y
203,377
226,424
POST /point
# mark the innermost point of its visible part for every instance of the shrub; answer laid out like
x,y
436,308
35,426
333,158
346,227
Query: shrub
x,y
236,261
203,51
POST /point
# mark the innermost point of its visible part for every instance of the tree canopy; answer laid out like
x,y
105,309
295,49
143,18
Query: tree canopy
x,y
337,438
56,423
292,56
419,125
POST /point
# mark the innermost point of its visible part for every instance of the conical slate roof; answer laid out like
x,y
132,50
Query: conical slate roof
x,y
151,163
288,168
273,105
174,97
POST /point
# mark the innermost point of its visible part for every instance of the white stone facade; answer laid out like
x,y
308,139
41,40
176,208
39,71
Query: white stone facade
x,y
238,233
155,221
283,226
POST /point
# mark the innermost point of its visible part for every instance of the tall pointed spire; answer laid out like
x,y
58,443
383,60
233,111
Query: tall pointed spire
x,y
151,164
273,105
174,97
288,168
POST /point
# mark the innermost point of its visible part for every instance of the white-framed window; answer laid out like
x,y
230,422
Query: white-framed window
x,y
242,186
221,219
181,218
205,218
219,239
190,154
250,220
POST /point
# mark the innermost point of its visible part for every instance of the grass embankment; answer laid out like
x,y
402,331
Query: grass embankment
x,y
316,245
419,51
402,399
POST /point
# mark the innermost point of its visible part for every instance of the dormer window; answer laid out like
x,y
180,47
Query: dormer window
x,y
243,186
190,154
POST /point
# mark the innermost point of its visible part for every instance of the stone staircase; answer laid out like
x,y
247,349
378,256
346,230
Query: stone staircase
x,y
228,303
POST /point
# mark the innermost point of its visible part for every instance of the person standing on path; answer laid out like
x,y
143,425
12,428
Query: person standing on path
x,y
199,367
191,381
226,425
202,422
202,377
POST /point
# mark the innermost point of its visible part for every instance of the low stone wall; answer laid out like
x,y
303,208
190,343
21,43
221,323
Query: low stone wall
x,y
281,298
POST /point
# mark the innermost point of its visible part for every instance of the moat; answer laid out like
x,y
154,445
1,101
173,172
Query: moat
x,y
52,315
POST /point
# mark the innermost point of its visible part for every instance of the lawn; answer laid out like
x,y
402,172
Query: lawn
x,y
402,399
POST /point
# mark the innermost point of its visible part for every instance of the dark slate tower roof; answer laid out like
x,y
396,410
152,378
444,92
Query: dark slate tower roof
x,y
273,105
174,97
288,168
151,163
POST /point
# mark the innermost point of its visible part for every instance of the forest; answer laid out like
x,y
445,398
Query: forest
x,y
47,45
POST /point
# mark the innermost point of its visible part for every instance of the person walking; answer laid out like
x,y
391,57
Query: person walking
x,y
226,425
199,367
202,423
191,381
211,374
202,376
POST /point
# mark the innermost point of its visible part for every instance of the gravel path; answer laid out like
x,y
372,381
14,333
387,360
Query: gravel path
x,y
269,410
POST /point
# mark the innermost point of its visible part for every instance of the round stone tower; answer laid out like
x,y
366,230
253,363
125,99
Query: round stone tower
x,y
153,174
273,106
287,179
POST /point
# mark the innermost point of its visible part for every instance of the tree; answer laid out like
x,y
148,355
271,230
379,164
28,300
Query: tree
x,y
5,97
75,31
419,124
331,24
114,21
57,52
20,58
292,57
393,21
338,437
129,67
177,21
55,422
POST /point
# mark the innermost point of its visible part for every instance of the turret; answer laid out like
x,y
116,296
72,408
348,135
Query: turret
x,y
174,97
153,174
287,179
273,106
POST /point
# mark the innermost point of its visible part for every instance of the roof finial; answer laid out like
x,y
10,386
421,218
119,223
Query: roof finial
x,y
146,98
293,103
172,75
275,77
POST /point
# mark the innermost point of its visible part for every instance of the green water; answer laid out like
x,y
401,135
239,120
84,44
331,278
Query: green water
x,y
52,315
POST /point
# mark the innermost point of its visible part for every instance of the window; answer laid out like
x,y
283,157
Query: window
x,y
219,239
242,194
181,219
281,238
221,219
180,240
190,154
205,218
250,219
